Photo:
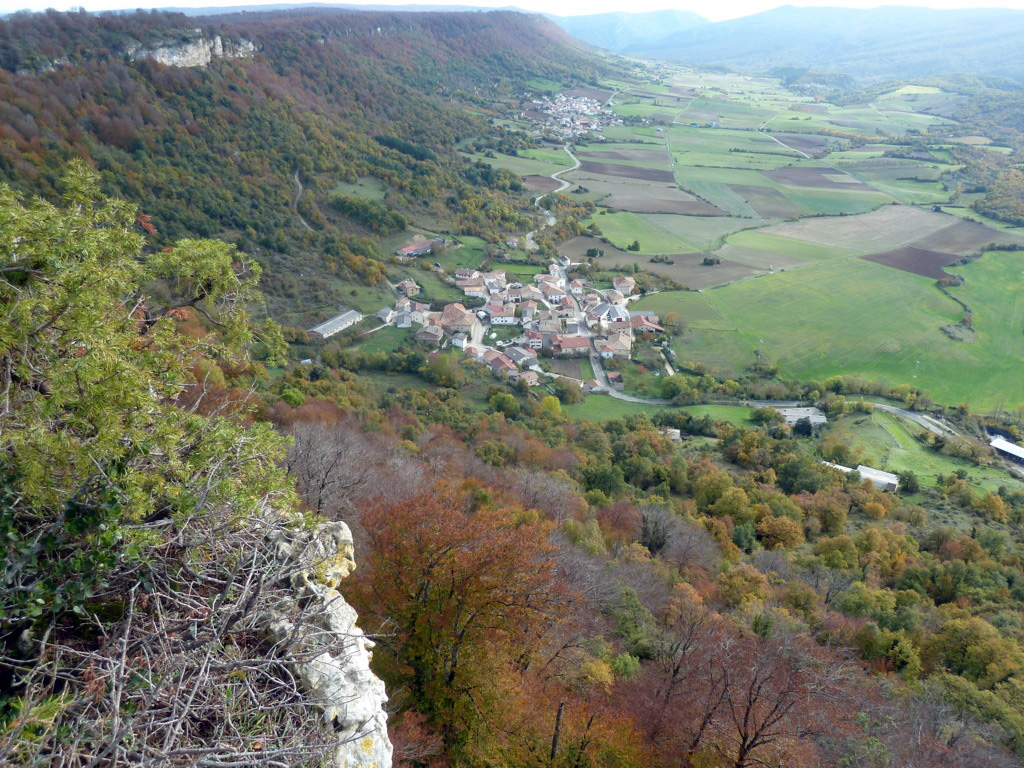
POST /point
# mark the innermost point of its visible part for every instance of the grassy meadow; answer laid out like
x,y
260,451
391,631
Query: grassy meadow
x,y
788,193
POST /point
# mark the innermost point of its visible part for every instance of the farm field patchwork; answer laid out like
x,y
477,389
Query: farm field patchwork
x,y
856,317
735,159
627,171
827,265
888,227
652,157
669,201
663,233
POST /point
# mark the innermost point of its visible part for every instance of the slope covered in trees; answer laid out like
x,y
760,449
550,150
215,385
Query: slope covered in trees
x,y
138,498
594,594
329,96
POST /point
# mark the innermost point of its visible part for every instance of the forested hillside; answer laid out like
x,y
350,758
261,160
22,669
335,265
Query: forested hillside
x,y
678,578
225,150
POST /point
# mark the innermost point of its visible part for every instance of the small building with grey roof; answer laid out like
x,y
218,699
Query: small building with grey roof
x,y
335,325
793,415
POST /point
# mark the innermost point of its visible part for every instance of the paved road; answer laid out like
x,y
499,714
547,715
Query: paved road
x,y
531,244
928,422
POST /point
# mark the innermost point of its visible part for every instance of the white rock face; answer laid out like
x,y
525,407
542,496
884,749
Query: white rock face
x,y
329,654
196,53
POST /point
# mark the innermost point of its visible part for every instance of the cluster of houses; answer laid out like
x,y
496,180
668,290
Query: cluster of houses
x,y
557,318
569,116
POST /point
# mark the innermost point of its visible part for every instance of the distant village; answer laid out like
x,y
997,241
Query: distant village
x,y
557,317
567,116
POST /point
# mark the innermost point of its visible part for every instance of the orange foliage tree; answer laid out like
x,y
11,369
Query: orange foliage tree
x,y
462,596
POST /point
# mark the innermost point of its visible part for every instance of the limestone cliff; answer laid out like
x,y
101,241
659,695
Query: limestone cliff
x,y
328,654
198,51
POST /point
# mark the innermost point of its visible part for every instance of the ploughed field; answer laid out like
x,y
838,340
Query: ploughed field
x,y
827,244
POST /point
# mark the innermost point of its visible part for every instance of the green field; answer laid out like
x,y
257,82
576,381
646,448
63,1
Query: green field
x,y
994,289
799,251
856,317
692,306
523,270
387,339
734,414
622,228
885,441
605,407
366,187
547,155
366,299
819,311
524,166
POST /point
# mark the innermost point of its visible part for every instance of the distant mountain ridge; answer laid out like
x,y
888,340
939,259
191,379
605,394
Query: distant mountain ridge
x,y
872,44
620,31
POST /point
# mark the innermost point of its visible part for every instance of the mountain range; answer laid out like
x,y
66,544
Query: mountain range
x,y
869,44
873,44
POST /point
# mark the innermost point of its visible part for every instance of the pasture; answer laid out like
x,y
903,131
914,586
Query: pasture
x,y
884,441
775,185
692,306
622,228
688,269
524,166
856,317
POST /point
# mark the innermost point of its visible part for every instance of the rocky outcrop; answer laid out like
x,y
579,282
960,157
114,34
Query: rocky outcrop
x,y
196,52
327,653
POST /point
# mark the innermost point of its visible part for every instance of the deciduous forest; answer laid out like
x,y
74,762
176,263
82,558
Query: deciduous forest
x,y
669,587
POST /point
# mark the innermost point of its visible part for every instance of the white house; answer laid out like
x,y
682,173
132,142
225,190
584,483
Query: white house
x,y
506,316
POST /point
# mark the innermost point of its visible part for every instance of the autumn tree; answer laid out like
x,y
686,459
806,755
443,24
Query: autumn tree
x,y
462,595
779,693
135,518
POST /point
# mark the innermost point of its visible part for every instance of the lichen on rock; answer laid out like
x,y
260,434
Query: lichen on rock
x,y
328,653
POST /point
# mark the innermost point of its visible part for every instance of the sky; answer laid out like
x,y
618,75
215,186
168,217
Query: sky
x,y
714,11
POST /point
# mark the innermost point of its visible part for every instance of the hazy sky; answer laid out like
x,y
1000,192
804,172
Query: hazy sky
x,y
722,9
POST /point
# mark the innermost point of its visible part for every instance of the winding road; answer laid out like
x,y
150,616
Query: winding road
x,y
531,244
928,422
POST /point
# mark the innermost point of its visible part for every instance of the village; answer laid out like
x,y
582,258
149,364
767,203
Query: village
x,y
567,116
554,316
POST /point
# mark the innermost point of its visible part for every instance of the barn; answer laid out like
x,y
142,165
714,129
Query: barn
x,y
335,325
1008,450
